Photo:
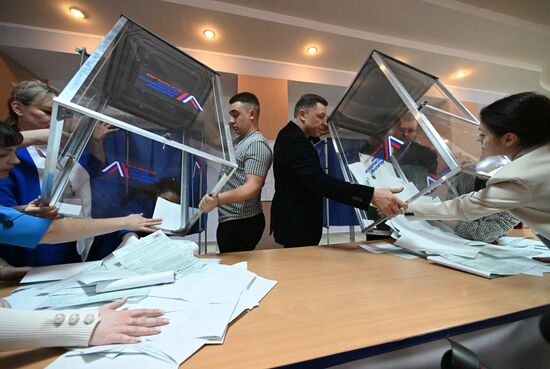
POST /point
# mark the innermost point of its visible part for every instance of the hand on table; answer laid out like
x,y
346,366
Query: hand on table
x,y
125,326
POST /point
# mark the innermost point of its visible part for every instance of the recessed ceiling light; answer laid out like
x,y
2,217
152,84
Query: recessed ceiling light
x,y
460,74
209,34
77,13
312,50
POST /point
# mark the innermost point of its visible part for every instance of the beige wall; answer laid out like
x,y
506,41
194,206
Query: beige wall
x,y
273,96
10,73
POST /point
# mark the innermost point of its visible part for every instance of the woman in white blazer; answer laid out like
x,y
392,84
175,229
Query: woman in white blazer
x,y
517,126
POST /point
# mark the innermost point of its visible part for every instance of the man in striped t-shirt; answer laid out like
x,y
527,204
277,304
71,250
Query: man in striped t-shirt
x,y
241,219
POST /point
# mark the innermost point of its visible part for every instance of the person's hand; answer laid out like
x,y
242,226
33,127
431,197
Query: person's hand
x,y
208,203
386,202
136,222
8,271
42,211
101,130
125,326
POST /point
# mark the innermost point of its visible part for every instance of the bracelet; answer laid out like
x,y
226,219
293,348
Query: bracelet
x,y
217,197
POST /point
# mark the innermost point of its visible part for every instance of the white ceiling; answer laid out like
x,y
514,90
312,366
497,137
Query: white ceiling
x,y
504,45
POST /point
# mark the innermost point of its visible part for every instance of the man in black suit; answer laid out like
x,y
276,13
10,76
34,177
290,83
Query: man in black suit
x,y
301,184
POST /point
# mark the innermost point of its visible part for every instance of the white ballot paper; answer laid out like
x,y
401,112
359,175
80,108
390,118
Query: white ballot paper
x,y
388,248
145,354
57,272
220,285
422,236
145,256
485,266
105,275
135,281
169,212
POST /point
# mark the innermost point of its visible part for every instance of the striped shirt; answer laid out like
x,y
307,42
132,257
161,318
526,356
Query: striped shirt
x,y
253,156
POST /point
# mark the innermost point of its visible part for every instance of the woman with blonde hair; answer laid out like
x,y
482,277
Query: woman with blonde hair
x,y
30,106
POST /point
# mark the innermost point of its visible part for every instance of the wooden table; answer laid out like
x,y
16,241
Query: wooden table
x,y
340,303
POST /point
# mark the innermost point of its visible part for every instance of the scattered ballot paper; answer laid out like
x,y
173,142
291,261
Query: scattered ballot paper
x,y
136,281
156,253
57,272
199,297
379,247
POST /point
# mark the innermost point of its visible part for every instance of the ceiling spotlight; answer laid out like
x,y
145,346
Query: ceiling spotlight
x,y
312,50
460,74
209,34
77,13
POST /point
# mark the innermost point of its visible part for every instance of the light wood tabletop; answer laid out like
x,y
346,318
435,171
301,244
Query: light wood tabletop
x,y
340,302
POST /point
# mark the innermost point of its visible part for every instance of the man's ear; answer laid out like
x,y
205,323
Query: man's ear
x,y
302,115
17,107
252,114
509,139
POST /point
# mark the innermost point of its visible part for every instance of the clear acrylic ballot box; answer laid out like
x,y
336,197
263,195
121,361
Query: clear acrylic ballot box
x,y
397,126
139,121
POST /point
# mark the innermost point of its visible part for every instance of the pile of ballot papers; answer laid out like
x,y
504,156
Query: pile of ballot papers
x,y
200,297
438,243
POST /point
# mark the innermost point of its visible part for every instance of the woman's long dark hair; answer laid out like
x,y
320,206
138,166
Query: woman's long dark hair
x,y
526,114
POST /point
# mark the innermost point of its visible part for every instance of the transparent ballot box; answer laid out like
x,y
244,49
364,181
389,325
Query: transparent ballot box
x,y
397,126
140,127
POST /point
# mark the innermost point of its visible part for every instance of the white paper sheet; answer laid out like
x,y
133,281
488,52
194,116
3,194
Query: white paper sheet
x,y
169,212
422,236
72,210
135,281
444,261
508,252
178,350
251,298
388,248
484,265
429,243
379,247
105,275
27,299
145,256
57,272
220,286
80,297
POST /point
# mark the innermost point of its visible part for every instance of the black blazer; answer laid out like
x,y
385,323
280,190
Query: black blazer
x,y
300,185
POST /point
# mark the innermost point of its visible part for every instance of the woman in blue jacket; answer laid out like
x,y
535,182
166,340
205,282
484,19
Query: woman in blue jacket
x,y
30,107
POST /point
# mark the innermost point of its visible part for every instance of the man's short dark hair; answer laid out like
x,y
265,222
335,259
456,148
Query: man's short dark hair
x,y
308,101
246,98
